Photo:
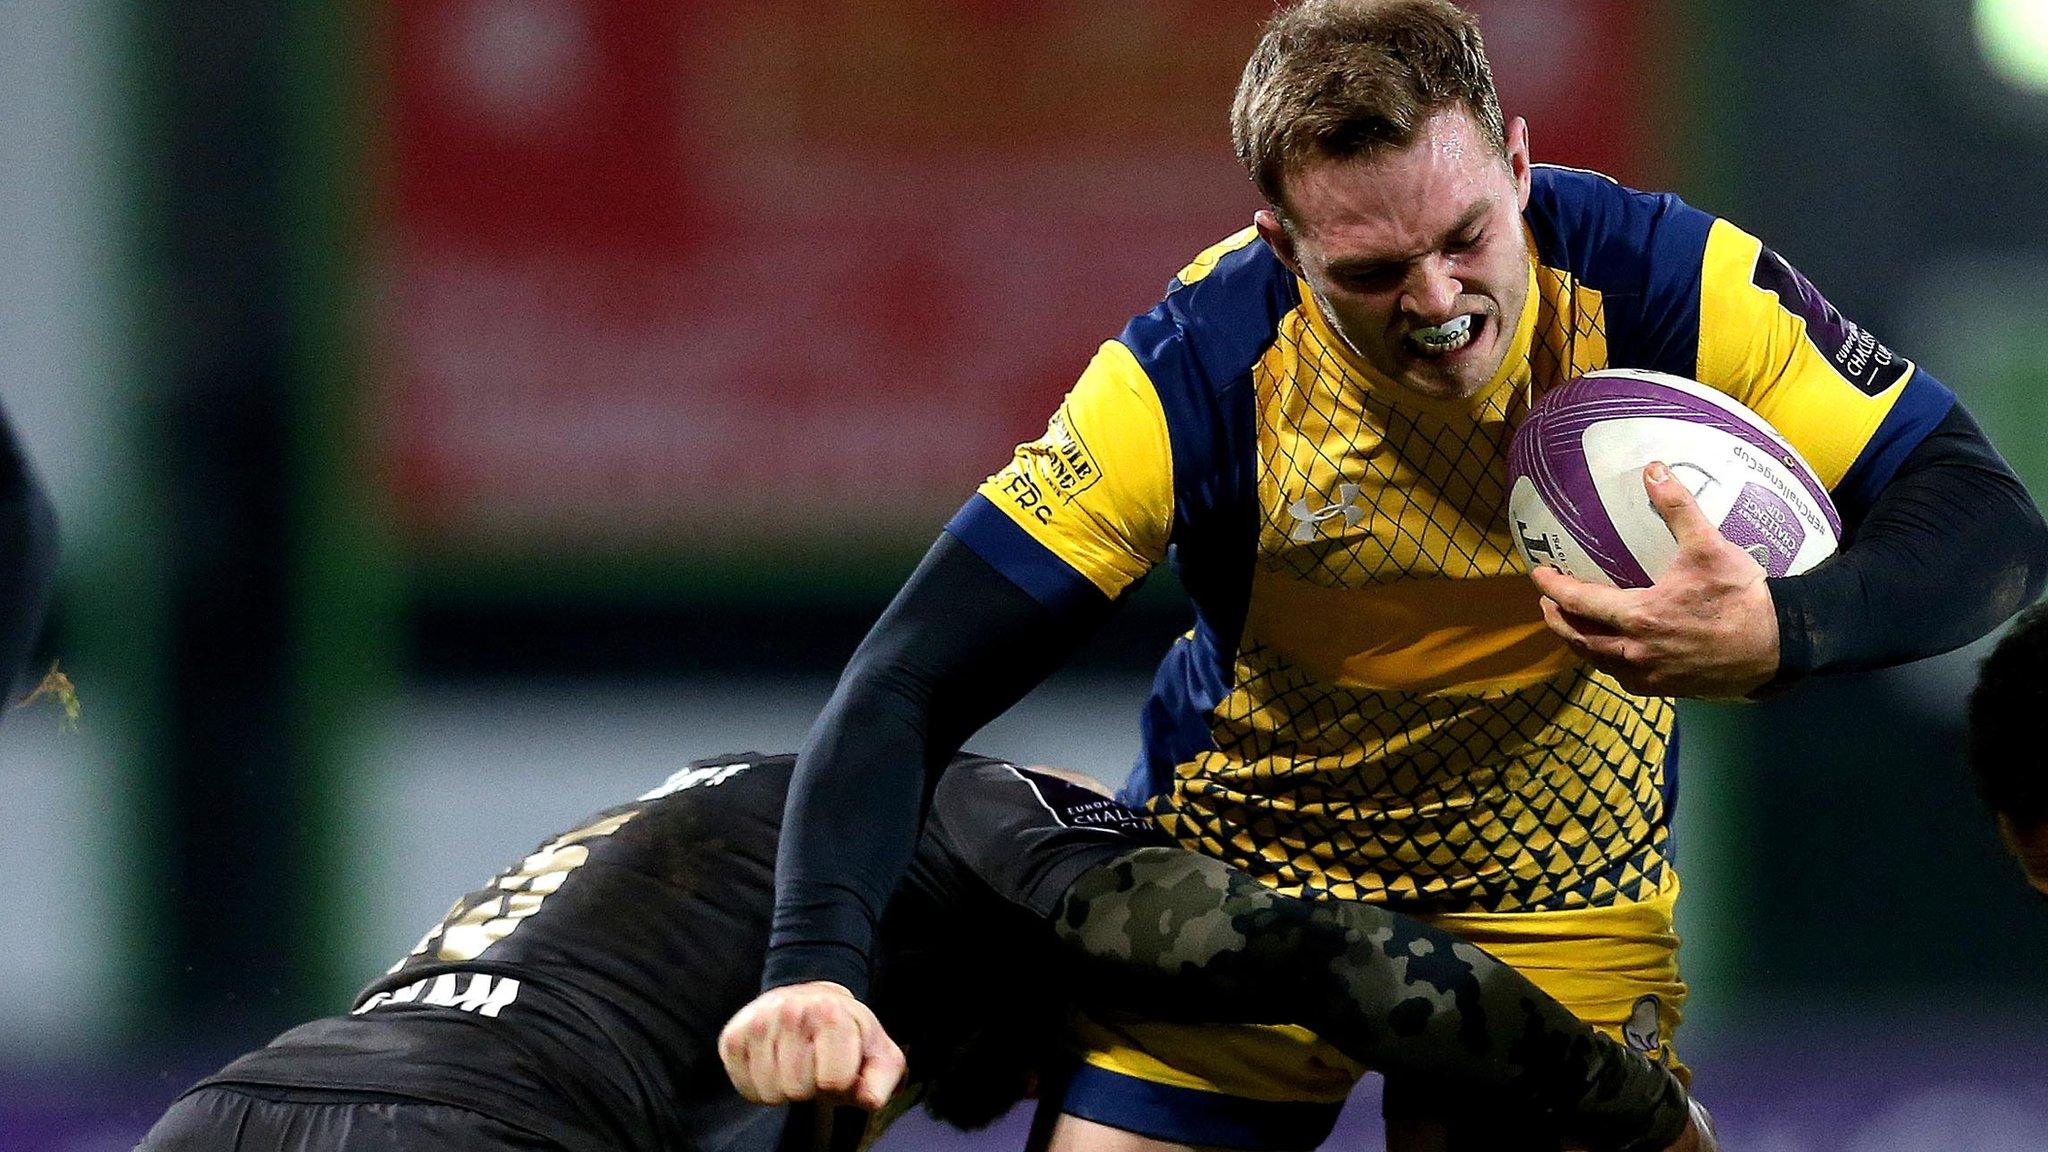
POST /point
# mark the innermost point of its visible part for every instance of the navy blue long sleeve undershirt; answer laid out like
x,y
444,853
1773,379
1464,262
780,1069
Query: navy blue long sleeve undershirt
x,y
959,645
1951,547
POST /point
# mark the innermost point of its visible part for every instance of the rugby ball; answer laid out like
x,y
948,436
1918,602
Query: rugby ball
x,y
1575,479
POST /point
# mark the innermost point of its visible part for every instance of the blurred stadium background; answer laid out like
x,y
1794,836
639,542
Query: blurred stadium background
x,y
461,411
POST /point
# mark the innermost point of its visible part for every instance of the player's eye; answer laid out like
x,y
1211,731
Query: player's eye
x,y
1370,277
1467,242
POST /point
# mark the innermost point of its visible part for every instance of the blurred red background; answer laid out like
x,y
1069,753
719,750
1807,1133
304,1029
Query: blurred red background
x,y
671,268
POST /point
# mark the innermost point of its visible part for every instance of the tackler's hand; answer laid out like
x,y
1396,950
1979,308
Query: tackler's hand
x,y
813,1041
1708,628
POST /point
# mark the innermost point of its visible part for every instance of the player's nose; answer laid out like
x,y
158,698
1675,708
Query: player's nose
x,y
1431,292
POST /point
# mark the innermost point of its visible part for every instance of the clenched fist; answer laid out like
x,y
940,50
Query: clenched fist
x,y
810,1042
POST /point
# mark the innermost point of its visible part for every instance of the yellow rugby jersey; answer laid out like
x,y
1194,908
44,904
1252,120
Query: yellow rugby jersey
x,y
1369,705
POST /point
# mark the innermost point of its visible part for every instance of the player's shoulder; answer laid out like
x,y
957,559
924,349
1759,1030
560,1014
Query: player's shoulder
x,y
1219,315
741,791
967,780
703,777
1235,290
1612,237
1241,258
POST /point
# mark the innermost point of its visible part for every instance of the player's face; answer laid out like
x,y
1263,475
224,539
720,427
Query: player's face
x,y
1416,256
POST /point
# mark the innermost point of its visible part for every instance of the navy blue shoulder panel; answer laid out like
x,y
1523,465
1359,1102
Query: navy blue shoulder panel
x,y
1199,348
1642,251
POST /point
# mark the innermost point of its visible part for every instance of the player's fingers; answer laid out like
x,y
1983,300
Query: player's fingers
x,y
1595,602
1675,503
761,1075
1589,627
1560,624
735,1049
835,1054
881,1066
1547,578
795,1067
1594,643
880,1073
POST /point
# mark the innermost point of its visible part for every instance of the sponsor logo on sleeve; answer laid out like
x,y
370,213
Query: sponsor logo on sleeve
x,y
1861,359
1869,365
1052,470
1070,466
1078,807
1023,491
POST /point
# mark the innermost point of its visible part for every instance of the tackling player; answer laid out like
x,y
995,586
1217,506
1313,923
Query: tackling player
x,y
571,1003
2006,708
1374,702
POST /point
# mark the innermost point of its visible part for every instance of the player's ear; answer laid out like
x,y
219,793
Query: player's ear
x,y
1518,159
1276,236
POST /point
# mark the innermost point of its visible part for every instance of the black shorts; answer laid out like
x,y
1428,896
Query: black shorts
x,y
241,1119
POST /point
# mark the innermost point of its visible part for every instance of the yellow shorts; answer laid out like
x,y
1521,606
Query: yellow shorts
x,y
1279,1087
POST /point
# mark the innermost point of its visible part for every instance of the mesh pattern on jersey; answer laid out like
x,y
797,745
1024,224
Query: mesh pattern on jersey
x,y
1546,796
1571,330
1534,799
1358,490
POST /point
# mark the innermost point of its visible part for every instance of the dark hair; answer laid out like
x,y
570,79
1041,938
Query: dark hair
x,y
2008,720
983,1073
1343,78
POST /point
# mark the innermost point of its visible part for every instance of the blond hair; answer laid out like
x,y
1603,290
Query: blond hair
x,y
1337,79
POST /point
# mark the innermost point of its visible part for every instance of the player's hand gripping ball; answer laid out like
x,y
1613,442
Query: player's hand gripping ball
x,y
1575,476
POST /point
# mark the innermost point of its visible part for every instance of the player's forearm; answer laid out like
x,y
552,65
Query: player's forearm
x,y
1951,547
28,556
958,646
1169,934
848,828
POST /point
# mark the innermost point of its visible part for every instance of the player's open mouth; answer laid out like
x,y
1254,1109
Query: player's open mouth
x,y
1446,338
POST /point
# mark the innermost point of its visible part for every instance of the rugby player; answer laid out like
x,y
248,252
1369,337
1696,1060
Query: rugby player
x,y
28,557
2005,712
1374,701
572,1002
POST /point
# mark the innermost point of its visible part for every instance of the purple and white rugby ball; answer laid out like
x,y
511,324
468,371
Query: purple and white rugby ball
x,y
1575,477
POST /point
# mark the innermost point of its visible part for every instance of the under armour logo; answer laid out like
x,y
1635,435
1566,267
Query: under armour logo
x,y
1308,521
1644,1028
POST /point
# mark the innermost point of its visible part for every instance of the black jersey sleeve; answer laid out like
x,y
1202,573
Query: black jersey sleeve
x,y
1166,933
958,646
1025,834
28,556
1950,547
